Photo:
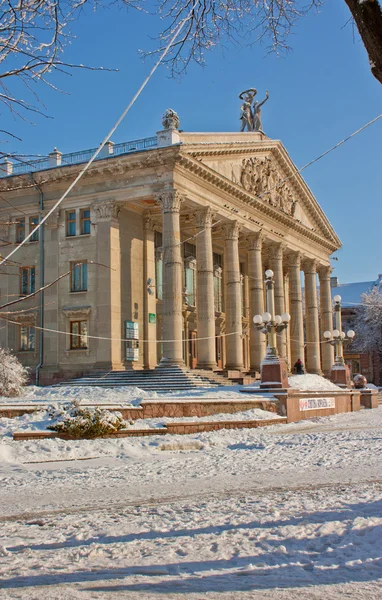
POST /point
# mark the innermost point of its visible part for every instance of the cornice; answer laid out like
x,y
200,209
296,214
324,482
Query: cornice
x,y
235,190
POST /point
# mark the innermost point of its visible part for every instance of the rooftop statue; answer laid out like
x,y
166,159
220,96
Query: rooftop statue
x,y
170,119
251,110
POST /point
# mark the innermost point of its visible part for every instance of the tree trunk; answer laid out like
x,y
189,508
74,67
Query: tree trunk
x,y
367,15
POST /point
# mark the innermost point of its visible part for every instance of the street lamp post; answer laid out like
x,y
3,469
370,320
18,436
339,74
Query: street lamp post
x,y
274,372
340,373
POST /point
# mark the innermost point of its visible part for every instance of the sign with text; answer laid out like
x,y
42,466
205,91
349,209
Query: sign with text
x,y
316,403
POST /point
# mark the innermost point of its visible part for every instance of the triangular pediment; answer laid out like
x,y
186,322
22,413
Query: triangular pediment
x,y
266,172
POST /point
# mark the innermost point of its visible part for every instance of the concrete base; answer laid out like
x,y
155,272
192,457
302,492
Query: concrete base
x,y
369,398
340,375
274,374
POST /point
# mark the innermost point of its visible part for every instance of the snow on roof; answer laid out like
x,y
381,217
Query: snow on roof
x,y
351,292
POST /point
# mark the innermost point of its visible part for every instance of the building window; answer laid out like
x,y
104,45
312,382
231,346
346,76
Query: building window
x,y
20,230
189,280
71,223
33,222
85,221
218,288
27,338
79,276
27,280
189,250
159,274
78,335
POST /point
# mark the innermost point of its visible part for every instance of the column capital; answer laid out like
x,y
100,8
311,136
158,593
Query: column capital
x,y
231,230
255,240
277,250
294,259
309,266
105,211
324,272
204,217
169,200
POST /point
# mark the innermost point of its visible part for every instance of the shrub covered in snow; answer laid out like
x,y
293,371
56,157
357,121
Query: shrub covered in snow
x,y
84,422
13,376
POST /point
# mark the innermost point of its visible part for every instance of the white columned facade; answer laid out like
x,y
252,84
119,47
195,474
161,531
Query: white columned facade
x,y
277,268
233,309
205,301
256,299
326,317
172,317
311,317
296,325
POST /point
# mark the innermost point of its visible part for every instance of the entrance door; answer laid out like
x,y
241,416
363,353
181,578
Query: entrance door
x,y
192,350
219,353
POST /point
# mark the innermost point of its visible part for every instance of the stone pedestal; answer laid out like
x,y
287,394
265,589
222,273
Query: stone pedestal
x,y
340,375
274,373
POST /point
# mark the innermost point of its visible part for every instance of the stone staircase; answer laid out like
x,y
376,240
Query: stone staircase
x,y
161,380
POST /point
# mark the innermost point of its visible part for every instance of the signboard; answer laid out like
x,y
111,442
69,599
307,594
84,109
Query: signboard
x,y
316,403
132,340
152,318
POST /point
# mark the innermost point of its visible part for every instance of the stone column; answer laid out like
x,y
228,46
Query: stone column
x,y
232,285
256,299
311,315
277,268
205,301
109,314
287,310
149,323
296,325
172,279
326,317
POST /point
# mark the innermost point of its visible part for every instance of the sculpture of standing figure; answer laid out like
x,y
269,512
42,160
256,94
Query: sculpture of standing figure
x,y
251,111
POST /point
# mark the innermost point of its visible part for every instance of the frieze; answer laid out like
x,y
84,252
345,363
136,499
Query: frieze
x,y
260,177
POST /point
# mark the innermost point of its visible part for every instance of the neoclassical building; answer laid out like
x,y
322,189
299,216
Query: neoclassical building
x,y
158,256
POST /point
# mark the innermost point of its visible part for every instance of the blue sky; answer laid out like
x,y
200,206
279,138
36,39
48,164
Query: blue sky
x,y
319,93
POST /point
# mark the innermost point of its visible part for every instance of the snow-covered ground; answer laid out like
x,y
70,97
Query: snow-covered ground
x,y
290,511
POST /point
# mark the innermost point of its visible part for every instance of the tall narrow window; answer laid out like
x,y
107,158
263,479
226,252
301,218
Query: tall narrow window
x,y
20,230
218,288
189,280
158,241
27,280
33,222
71,223
85,221
27,338
79,276
78,334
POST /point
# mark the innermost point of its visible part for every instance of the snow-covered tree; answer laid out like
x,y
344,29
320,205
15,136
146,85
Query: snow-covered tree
x,y
13,376
368,322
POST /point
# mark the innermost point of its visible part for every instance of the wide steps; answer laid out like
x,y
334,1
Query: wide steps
x,y
160,380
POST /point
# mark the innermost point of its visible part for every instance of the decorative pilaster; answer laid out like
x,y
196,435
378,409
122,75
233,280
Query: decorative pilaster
x,y
256,299
149,319
296,309
170,202
311,316
277,268
110,352
326,317
233,316
205,302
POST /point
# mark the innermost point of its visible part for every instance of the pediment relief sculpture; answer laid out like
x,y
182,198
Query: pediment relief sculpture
x,y
260,177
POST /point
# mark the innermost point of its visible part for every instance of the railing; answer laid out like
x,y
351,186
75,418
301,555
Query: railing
x,y
78,157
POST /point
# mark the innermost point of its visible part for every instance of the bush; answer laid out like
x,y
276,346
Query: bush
x,y
13,376
84,422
